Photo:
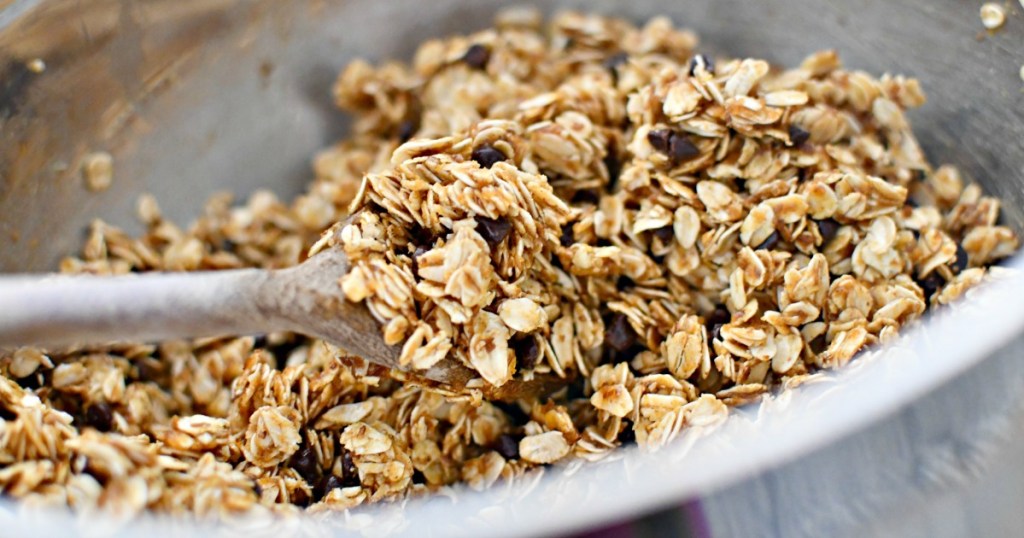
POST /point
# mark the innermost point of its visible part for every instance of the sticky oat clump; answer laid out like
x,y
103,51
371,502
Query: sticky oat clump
x,y
669,232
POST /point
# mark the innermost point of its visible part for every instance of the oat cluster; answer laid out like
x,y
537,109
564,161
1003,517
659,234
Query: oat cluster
x,y
671,233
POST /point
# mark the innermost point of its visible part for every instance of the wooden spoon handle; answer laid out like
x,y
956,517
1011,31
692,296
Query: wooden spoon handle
x,y
59,310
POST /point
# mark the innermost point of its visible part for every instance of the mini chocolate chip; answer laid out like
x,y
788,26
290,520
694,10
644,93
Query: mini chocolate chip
x,y
659,139
568,237
665,233
493,231
325,485
349,473
680,148
476,56
305,463
257,489
770,243
515,414
406,129
715,333
931,284
798,136
620,335
301,499
960,262
627,436
915,233
585,196
508,446
100,416
614,166
421,235
486,156
527,352
818,345
720,315
708,63
827,228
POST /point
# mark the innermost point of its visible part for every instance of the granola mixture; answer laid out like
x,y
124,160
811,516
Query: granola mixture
x,y
672,233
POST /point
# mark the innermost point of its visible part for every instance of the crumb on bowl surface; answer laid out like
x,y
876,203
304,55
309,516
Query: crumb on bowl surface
x,y
672,233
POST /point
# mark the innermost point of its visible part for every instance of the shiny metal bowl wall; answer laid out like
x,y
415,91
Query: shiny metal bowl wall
x,y
193,97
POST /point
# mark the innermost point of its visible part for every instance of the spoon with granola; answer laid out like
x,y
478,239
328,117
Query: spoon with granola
x,y
63,310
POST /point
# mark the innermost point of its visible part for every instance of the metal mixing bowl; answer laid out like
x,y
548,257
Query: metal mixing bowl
x,y
197,96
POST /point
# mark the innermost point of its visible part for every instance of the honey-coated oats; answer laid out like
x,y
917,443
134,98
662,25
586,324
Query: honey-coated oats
x,y
671,233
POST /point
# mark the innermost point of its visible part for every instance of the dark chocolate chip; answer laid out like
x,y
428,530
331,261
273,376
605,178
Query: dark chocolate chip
x,y
931,284
421,235
406,129
960,262
493,231
100,416
818,345
325,485
680,148
659,139
614,166
486,156
257,489
620,335
476,56
677,146
527,352
301,499
798,136
515,414
508,446
700,59
349,473
568,238
827,228
716,332
306,464
719,316
770,243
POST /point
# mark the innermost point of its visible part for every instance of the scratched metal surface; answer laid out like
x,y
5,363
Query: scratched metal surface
x,y
198,96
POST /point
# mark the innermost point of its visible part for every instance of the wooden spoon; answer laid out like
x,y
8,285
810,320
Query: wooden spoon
x,y
61,310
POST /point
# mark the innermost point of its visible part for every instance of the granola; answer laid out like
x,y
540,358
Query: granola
x,y
671,233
